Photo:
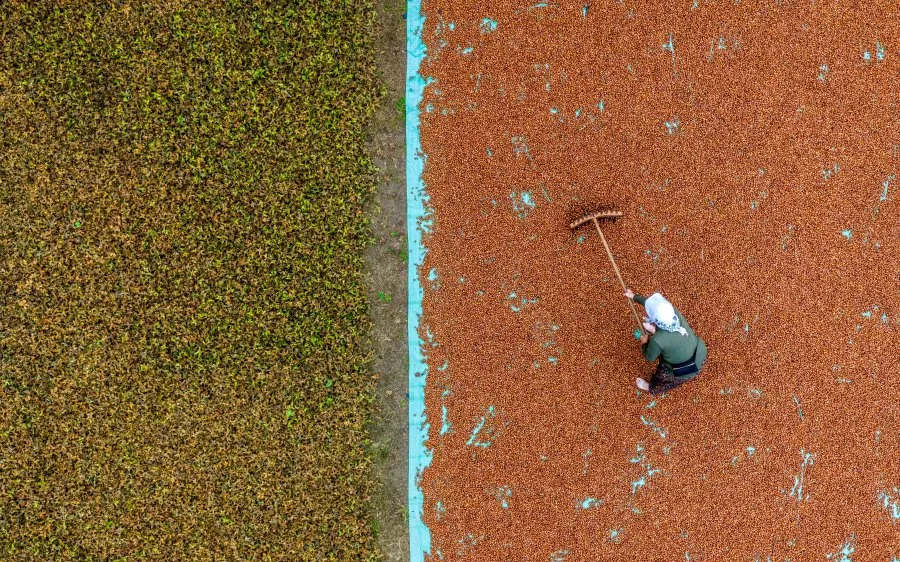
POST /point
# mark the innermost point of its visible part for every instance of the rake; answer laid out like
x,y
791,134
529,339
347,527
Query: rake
x,y
596,218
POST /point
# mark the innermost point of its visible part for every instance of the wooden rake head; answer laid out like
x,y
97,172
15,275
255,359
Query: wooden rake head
x,y
599,216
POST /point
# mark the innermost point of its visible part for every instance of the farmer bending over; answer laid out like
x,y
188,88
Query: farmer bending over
x,y
680,351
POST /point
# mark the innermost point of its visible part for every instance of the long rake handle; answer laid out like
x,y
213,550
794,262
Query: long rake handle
x,y
618,275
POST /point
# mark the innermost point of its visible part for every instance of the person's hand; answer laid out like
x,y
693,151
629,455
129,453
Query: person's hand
x,y
645,337
650,327
629,294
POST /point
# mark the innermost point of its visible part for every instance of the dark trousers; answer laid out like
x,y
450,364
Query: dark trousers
x,y
664,379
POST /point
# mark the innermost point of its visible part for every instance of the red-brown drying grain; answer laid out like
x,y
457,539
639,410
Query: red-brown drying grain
x,y
786,137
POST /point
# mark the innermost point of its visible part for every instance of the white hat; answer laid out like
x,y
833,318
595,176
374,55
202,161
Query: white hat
x,y
662,314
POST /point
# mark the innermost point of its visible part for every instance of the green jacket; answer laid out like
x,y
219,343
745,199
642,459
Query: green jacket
x,y
672,347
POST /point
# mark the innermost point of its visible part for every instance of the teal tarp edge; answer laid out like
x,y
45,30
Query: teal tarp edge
x,y
416,225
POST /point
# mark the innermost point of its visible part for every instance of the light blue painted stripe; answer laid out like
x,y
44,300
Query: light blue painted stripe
x,y
416,203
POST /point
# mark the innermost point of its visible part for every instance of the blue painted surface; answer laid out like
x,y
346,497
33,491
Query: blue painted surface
x,y
669,45
445,422
797,489
504,494
886,184
879,53
671,126
476,430
479,439
640,456
466,543
416,220
585,457
589,503
890,501
720,45
488,25
636,484
518,302
845,553
797,402
522,203
527,200
652,425
873,312
641,460
828,173
520,146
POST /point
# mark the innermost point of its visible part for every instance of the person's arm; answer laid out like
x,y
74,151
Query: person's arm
x,y
651,350
629,294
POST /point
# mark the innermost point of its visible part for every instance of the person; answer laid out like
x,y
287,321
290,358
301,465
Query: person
x,y
670,339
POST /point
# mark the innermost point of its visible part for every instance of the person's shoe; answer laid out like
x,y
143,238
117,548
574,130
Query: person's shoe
x,y
643,385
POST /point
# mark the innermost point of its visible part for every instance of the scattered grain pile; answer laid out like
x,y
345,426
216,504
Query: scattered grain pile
x,y
755,153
